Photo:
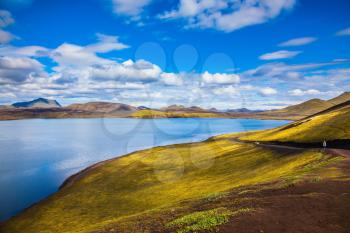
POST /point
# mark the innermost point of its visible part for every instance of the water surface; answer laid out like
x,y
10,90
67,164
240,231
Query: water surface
x,y
36,156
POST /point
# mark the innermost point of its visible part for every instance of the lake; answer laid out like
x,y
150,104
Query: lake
x,y
36,156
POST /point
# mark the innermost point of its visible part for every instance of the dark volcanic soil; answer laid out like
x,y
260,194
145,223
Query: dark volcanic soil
x,y
311,207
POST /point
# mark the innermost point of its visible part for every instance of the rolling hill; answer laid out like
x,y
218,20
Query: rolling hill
x,y
340,99
39,109
102,107
331,124
305,109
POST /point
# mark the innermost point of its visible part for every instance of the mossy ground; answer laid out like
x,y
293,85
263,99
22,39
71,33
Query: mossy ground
x,y
207,220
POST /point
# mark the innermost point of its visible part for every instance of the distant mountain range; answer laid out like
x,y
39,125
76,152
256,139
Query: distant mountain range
x,y
44,108
242,110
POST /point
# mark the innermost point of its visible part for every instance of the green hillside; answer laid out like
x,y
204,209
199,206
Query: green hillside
x,y
331,125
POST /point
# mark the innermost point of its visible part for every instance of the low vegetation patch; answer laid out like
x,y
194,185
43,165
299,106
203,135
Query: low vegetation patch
x,y
204,220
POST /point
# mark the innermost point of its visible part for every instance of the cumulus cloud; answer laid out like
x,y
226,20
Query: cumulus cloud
x,y
71,55
172,79
6,37
267,91
139,71
129,8
282,54
5,18
29,51
299,92
16,69
344,32
226,91
298,42
229,15
279,72
219,78
105,44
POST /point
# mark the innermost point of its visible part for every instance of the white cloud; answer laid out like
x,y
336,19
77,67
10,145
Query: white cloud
x,y
344,32
71,55
106,44
16,69
18,63
298,41
129,7
226,91
267,91
229,15
282,71
299,92
282,54
5,18
219,78
172,79
29,51
6,37
139,71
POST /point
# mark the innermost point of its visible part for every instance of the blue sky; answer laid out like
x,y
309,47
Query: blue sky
x,y
258,54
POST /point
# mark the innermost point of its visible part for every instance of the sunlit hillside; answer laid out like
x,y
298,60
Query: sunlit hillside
x,y
333,124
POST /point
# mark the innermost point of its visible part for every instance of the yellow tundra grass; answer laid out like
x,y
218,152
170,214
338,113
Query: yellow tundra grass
x,y
333,125
160,179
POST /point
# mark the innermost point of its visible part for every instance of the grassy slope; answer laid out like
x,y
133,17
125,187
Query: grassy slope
x,y
305,109
329,125
160,180
299,111
340,99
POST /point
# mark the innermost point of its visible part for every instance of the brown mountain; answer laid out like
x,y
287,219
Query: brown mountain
x,y
88,110
38,103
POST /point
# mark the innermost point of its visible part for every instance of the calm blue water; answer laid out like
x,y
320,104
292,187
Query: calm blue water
x,y
36,156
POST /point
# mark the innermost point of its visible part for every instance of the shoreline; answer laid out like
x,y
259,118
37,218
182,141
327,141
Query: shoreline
x,y
69,181
76,176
